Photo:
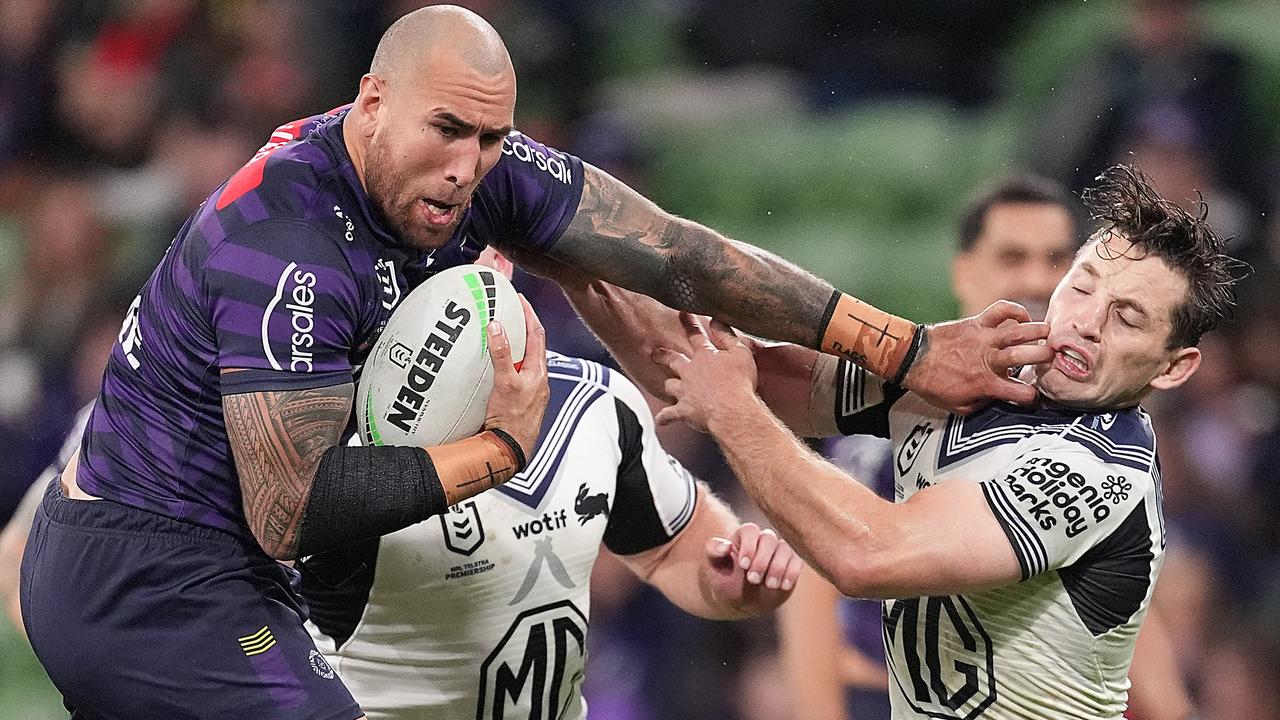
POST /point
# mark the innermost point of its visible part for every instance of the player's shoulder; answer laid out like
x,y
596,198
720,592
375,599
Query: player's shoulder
x,y
522,154
575,371
1117,437
588,377
293,179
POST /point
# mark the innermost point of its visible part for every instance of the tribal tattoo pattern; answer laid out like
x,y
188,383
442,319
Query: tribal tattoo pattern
x,y
278,438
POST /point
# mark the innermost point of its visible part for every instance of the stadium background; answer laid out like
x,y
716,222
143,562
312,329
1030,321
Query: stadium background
x,y
844,136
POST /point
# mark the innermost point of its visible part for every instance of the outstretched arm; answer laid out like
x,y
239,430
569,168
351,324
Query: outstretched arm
x,y
622,238
797,383
943,540
701,569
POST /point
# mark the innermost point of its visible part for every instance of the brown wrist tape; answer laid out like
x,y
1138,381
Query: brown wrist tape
x,y
867,336
471,466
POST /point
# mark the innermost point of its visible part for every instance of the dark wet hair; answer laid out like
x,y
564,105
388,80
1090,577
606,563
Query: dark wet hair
x,y
1020,189
1127,205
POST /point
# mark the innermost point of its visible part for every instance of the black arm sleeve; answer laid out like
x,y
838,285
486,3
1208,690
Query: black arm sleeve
x,y
366,492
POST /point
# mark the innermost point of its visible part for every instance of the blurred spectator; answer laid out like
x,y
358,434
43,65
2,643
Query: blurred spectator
x,y
26,85
1162,71
66,248
55,329
855,52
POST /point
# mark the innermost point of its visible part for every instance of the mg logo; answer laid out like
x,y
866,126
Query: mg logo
x,y
535,670
950,662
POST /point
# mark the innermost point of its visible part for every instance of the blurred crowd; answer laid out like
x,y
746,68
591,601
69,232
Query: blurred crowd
x,y
117,117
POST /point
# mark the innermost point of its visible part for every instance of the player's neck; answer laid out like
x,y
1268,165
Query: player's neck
x,y
355,148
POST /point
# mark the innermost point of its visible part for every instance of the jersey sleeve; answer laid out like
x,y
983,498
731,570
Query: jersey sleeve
x,y
284,305
530,196
862,401
1058,500
655,495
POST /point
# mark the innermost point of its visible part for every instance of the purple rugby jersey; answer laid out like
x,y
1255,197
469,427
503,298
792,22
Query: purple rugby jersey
x,y
285,273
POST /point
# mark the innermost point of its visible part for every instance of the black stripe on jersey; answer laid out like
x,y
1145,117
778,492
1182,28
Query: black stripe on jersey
x,y
1108,583
336,587
634,525
1027,546
851,394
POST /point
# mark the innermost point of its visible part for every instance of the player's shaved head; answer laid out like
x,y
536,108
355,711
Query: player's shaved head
x,y
416,37
430,120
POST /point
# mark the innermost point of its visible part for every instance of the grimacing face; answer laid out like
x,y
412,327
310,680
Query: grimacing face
x,y
434,137
1109,322
1020,255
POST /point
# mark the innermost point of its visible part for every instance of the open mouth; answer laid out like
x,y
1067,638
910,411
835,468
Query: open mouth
x,y
1072,363
438,213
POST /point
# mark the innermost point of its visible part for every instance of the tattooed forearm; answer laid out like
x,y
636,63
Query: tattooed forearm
x,y
277,439
619,236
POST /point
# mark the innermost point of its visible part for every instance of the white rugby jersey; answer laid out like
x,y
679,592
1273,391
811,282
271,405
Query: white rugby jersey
x,y
1078,496
482,612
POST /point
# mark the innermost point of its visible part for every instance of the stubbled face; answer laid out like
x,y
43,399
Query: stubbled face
x,y
436,134
1109,321
1021,254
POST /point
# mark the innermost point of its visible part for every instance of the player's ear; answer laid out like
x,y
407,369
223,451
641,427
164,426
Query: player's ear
x,y
962,269
369,103
1182,364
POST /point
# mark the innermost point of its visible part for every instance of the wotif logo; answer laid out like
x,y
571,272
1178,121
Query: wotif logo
x,y
300,302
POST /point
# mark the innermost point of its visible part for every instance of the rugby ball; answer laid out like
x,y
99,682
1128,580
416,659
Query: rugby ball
x,y
428,379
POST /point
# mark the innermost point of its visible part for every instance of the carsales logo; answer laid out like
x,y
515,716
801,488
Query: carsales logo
x,y
300,301
554,164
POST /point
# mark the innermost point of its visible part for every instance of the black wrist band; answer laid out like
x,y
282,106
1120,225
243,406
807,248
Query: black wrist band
x,y
917,340
516,450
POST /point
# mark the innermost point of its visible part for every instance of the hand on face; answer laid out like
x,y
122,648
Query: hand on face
x,y
714,379
965,364
753,569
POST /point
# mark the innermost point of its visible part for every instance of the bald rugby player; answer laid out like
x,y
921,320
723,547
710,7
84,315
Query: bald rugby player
x,y
151,585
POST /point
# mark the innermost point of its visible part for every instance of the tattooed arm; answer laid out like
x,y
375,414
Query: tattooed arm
x,y
277,439
620,237
623,238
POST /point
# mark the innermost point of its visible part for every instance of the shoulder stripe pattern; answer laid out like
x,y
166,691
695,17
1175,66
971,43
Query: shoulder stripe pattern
x,y
967,436
853,388
1135,456
582,383
1032,557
